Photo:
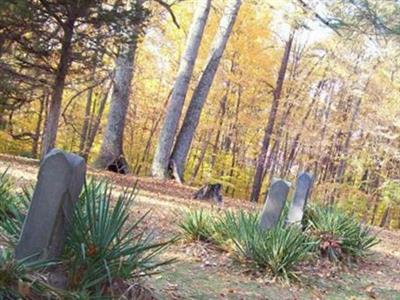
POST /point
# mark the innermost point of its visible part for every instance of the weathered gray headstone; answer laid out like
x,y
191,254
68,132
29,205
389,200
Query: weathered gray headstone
x,y
60,181
274,204
303,187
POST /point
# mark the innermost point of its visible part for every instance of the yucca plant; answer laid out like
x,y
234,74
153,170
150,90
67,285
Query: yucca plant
x,y
13,207
276,250
280,249
12,219
232,226
339,235
196,225
103,247
19,279
8,198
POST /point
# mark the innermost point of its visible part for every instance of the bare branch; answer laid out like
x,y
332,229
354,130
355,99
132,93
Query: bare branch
x,y
169,9
318,16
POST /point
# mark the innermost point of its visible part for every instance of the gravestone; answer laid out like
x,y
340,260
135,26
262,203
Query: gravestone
x,y
274,204
303,187
60,181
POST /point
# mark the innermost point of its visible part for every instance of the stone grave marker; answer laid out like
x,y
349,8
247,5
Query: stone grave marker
x,y
60,181
303,187
274,204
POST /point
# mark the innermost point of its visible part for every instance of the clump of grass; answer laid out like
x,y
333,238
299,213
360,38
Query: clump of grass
x,y
7,196
197,225
20,279
233,227
339,235
276,251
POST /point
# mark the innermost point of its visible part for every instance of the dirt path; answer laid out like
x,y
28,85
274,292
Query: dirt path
x,y
202,272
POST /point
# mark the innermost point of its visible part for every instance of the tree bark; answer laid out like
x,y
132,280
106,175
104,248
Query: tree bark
x,y
88,107
95,124
111,154
235,128
185,136
54,112
257,181
221,116
174,110
36,136
346,148
205,141
295,144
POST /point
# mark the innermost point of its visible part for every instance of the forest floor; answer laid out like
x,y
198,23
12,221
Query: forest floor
x,y
203,272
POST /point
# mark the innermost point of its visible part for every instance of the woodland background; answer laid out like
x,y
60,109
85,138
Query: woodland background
x,y
336,113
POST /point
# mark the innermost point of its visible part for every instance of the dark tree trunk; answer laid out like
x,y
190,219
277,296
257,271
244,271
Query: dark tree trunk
x,y
203,151
54,112
37,134
346,147
95,124
257,181
222,112
88,108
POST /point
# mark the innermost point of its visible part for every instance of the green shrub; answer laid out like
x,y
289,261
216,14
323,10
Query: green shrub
x,y
339,235
276,250
232,227
7,197
18,279
13,207
102,246
196,225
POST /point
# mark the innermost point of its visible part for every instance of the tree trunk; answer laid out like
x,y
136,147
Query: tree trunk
x,y
95,124
185,136
111,156
257,181
88,107
385,217
174,110
346,148
53,116
293,149
205,141
36,136
221,116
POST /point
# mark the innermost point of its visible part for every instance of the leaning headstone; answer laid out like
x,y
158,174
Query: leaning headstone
x,y
274,204
303,187
60,181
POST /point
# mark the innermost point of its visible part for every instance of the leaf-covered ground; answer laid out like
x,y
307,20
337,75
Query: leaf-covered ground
x,y
203,272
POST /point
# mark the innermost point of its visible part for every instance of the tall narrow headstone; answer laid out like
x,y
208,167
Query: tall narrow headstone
x,y
303,187
60,181
274,204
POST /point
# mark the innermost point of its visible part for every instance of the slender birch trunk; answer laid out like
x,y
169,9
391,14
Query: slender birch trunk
x,y
174,110
185,136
